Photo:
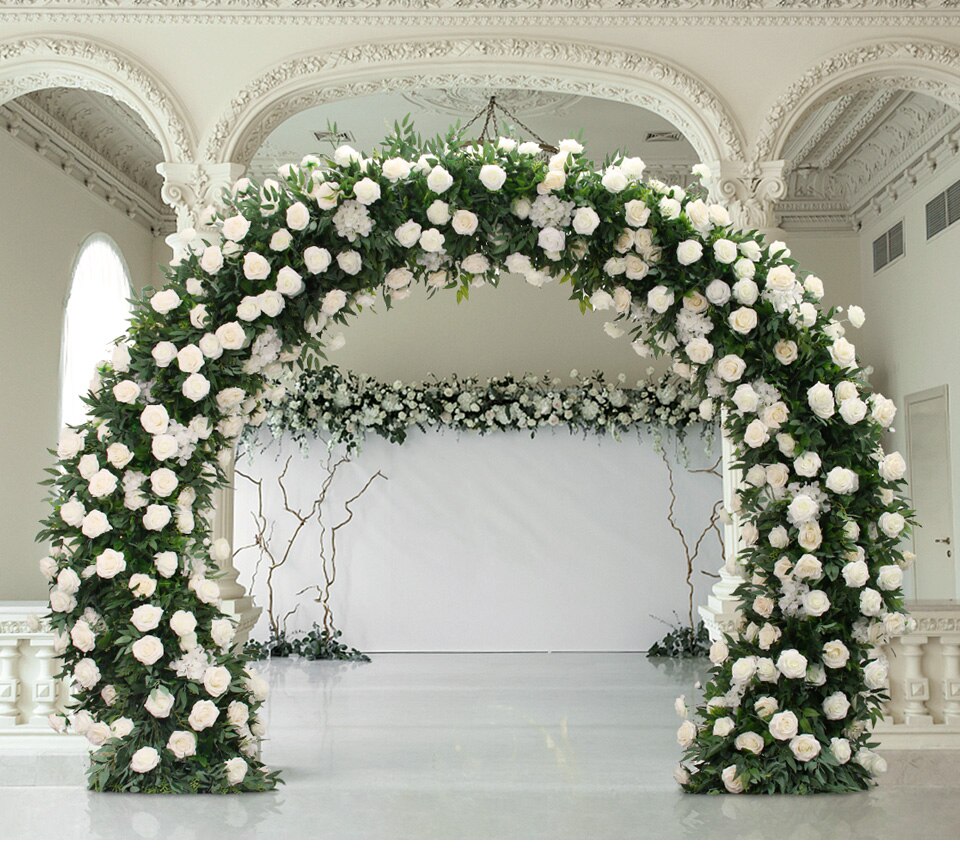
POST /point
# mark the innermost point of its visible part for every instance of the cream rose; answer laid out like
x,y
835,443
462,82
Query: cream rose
x,y
144,760
147,650
805,747
203,715
146,617
783,725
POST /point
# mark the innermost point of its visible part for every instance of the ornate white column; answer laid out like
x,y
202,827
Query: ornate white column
x,y
720,613
750,190
233,596
9,680
192,189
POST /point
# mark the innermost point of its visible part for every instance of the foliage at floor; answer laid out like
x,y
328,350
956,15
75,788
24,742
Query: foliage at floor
x,y
682,641
315,645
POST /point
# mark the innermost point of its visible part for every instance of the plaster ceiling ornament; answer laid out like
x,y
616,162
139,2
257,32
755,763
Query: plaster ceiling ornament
x,y
474,13
301,255
562,67
929,68
32,64
460,101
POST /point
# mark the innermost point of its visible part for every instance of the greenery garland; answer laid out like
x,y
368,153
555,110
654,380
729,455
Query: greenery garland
x,y
131,565
342,407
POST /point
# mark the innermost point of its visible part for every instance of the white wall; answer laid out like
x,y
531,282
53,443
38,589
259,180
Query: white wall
x,y
912,308
46,217
494,543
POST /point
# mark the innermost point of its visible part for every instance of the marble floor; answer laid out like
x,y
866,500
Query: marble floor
x,y
485,746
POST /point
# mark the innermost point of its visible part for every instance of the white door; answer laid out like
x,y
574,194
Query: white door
x,y
928,470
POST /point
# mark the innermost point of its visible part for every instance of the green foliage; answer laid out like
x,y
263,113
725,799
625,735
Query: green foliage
x,y
682,642
317,644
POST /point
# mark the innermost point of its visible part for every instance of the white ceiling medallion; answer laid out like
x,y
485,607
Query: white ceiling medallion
x,y
461,101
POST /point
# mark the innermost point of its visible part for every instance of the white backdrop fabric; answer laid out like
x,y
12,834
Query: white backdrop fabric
x,y
490,543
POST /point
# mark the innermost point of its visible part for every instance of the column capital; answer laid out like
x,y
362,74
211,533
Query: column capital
x,y
194,189
750,190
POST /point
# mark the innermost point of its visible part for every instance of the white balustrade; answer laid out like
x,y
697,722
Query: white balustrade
x,y
923,711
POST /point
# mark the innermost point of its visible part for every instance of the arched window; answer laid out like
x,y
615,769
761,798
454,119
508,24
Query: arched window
x,y
97,312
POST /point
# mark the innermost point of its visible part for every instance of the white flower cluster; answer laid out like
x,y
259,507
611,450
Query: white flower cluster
x,y
343,407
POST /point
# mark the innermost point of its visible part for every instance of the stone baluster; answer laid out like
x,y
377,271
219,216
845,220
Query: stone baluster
x,y
9,680
916,686
950,647
45,686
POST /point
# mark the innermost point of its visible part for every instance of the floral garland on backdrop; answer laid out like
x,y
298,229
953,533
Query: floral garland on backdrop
x,y
342,407
132,566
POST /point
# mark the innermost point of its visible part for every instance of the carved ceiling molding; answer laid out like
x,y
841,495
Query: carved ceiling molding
x,y
527,13
42,62
931,68
43,134
558,66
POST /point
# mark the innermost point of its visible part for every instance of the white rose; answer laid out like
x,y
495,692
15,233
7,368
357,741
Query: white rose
x,y
723,727
689,251
333,302
182,744
686,734
870,602
82,636
743,320
159,702
255,266
820,399
144,760
732,782
211,260
842,481
765,707
778,537
439,180
110,563
206,590
767,636
637,213
718,652
699,350
408,233
398,278
614,180
146,617
156,517
836,706
289,282
835,655
809,536
298,216
843,353
164,447
147,650
725,251
203,715
164,353
70,444
730,368
805,748
235,228
756,434
222,631
141,585
785,351
743,670
815,603
840,747
814,286
807,464
890,577
216,680
281,240
875,674
474,264
783,725
808,567
749,741
86,673
585,221
236,770
94,524
717,292
856,315
745,291
155,419
493,177
882,410
195,387
102,483
349,262
855,574
853,410
669,208
164,301
891,524
551,240
660,299
126,392
792,664
367,191
271,302
892,467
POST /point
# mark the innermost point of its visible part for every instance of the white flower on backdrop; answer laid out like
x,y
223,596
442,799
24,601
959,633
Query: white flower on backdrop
x,y
97,312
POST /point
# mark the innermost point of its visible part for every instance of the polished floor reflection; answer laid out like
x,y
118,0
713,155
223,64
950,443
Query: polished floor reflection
x,y
499,745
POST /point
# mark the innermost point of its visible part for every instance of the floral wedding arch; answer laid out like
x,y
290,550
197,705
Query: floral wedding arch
x,y
159,691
